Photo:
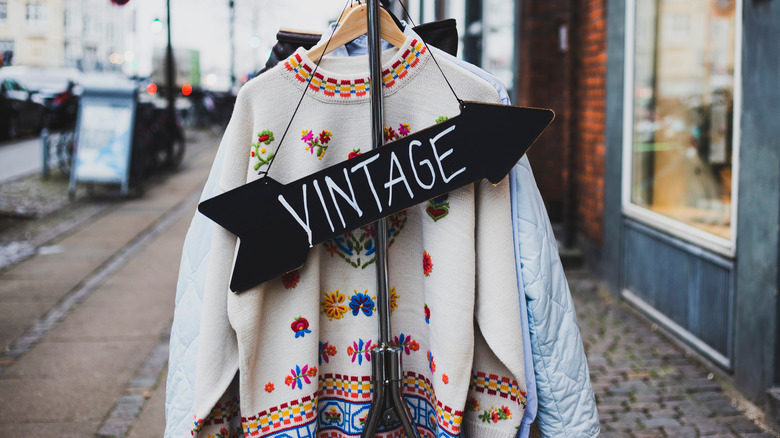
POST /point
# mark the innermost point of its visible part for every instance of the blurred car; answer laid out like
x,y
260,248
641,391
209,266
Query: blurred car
x,y
21,110
57,88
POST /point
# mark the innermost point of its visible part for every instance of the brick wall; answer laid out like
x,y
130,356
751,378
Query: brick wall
x,y
568,160
590,107
543,82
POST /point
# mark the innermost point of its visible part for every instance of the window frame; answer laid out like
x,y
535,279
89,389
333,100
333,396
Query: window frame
x,y
36,12
666,224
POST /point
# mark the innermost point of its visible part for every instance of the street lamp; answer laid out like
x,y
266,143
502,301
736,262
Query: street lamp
x,y
156,26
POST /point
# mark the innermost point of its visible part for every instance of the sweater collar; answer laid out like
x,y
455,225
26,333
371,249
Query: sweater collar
x,y
347,79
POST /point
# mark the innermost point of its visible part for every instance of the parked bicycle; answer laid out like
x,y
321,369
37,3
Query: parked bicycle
x,y
158,139
211,110
60,126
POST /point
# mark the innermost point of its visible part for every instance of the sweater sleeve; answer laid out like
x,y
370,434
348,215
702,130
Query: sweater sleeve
x,y
497,391
216,404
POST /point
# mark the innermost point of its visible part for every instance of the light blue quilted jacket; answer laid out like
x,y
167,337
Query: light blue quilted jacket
x,y
566,406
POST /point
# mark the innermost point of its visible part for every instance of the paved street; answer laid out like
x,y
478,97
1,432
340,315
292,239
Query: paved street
x,y
84,326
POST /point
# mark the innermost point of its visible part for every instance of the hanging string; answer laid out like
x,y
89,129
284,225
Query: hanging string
x,y
305,89
408,15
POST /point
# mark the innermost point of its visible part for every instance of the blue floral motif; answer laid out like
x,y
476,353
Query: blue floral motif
x,y
340,241
358,247
360,349
362,302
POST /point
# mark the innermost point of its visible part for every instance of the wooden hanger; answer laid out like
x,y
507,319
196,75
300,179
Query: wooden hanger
x,y
355,24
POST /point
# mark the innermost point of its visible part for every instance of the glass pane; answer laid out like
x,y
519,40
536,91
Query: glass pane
x,y
498,43
683,106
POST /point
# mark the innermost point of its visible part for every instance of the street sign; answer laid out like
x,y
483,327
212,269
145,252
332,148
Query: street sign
x,y
376,184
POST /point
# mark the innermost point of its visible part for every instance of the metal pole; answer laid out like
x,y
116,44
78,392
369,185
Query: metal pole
x,y
440,8
377,131
169,67
388,405
231,4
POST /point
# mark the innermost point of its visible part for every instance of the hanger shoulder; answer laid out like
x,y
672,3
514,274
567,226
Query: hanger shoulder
x,y
389,30
353,25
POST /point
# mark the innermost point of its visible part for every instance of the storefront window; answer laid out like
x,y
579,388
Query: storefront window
x,y
499,40
683,105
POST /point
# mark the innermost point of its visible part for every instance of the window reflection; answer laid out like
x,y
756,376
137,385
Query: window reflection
x,y
683,111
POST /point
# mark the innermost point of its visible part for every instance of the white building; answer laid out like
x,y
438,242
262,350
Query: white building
x,y
31,32
94,33
64,33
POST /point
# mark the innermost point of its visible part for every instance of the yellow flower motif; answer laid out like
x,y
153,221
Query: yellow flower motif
x,y
332,306
262,150
393,299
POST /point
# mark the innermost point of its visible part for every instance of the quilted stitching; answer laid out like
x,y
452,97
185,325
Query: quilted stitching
x,y
566,402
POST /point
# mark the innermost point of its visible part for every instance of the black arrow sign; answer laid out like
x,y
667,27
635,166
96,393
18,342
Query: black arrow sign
x,y
361,190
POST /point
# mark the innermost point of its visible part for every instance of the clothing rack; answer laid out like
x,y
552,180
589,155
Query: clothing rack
x,y
388,406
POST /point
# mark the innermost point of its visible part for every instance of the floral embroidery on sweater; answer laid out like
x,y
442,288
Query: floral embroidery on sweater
x,y
326,351
269,387
300,374
427,314
431,362
472,404
360,349
354,153
332,415
427,264
407,343
320,142
264,137
362,302
393,299
438,207
358,245
332,306
391,135
494,414
237,432
441,119
291,279
300,327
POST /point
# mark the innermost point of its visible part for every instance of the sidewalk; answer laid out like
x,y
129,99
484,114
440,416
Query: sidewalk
x,y
645,385
84,323
85,328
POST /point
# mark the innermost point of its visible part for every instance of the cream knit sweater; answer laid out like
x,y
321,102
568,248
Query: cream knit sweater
x,y
290,358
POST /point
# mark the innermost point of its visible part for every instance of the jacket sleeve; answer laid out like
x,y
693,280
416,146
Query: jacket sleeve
x,y
182,359
567,407
216,391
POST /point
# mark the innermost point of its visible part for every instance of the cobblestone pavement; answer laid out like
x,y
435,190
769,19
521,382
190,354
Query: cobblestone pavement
x,y
645,385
